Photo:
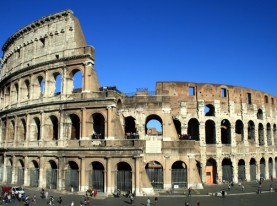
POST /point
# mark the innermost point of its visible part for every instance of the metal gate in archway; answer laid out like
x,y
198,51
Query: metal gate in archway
x,y
262,169
34,177
179,178
253,172
72,180
270,169
156,177
227,172
96,179
51,178
20,176
1,173
9,174
241,172
124,180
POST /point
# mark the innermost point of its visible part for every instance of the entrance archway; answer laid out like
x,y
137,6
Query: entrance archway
x,y
124,177
154,170
72,176
179,175
96,178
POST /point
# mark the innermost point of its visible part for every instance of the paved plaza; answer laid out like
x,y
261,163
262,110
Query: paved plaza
x,y
234,197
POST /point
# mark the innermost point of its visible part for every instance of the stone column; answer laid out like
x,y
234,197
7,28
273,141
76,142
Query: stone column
x,y
235,170
84,185
202,135
42,175
219,170
108,172
26,171
14,172
167,173
109,122
61,173
247,170
83,125
137,175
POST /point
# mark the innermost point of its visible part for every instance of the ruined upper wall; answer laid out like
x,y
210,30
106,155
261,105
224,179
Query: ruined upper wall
x,y
49,38
189,91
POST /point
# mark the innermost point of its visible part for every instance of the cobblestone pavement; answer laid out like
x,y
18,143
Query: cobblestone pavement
x,y
235,197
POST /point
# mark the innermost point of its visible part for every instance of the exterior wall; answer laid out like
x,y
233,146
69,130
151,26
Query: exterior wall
x,y
69,140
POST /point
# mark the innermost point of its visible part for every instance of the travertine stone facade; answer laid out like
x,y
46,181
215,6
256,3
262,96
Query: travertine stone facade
x,y
61,130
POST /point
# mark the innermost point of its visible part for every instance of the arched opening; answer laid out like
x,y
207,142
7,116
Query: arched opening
x,y
179,177
239,131
20,172
227,170
124,177
241,170
75,127
58,83
130,128
209,110
25,90
34,173
270,168
4,128
154,171
7,96
177,125
268,134
119,105
77,81
210,132
96,178
52,175
21,131
251,131
275,134
72,177
35,129
253,169
193,129
261,134
153,125
262,168
225,132
38,87
98,126
54,130
15,93
9,171
11,130
260,114
211,171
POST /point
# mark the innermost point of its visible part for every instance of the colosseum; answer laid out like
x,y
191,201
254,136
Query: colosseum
x,y
59,136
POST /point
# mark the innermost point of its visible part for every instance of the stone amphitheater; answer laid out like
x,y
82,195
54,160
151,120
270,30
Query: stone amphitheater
x,y
57,135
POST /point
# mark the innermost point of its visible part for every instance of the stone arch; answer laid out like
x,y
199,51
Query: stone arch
x,y
262,168
11,130
75,81
9,168
210,134
7,96
178,128
54,83
51,174
268,134
227,170
124,177
253,169
20,172
275,134
38,87
53,128
75,127
239,131
270,168
119,104
14,93
209,110
251,131
225,132
241,170
130,128
34,173
153,124
261,134
72,178
4,130
35,129
179,178
21,130
154,171
193,129
260,114
25,90
211,171
98,126
97,176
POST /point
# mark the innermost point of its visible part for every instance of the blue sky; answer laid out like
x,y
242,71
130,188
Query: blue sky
x,y
139,42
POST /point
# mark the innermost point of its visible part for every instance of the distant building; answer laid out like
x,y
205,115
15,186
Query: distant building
x,y
60,137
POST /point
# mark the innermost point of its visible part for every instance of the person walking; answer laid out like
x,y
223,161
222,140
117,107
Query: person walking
x,y
148,202
198,203
189,192
156,201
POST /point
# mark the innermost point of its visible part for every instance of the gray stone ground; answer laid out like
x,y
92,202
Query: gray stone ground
x,y
235,197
